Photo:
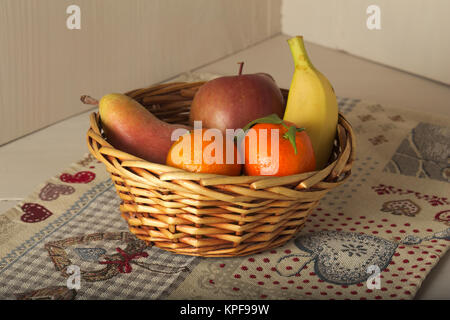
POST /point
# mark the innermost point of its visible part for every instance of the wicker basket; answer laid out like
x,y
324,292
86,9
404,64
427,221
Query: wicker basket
x,y
210,215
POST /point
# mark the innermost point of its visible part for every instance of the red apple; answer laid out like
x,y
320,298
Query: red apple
x,y
231,102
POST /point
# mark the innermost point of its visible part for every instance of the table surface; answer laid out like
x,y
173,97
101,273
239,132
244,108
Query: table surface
x,y
28,161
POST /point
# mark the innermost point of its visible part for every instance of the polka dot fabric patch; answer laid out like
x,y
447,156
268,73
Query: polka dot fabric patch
x,y
297,267
334,257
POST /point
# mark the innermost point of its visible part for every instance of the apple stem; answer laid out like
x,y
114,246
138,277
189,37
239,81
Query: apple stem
x,y
240,67
89,100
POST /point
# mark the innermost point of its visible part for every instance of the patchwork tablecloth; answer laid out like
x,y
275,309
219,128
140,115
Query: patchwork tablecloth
x,y
375,237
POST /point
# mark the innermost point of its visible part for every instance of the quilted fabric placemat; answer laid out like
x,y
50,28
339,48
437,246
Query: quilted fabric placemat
x,y
375,237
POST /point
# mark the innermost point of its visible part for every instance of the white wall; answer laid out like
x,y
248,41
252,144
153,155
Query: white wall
x,y
414,35
122,45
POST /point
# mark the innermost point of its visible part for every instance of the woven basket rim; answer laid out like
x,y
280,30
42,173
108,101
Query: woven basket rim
x,y
206,179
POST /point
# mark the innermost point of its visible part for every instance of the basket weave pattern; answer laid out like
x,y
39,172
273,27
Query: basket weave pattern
x,y
211,215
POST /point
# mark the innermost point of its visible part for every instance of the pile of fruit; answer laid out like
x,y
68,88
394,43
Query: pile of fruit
x,y
239,125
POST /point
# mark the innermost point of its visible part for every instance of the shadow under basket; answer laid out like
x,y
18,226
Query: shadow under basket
x,y
212,215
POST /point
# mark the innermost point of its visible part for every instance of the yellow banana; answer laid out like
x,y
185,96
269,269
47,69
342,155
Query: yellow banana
x,y
312,103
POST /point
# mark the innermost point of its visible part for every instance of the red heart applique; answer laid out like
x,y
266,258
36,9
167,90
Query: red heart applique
x,y
80,177
34,212
52,191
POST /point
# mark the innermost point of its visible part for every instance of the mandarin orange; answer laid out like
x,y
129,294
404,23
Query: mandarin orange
x,y
205,151
280,157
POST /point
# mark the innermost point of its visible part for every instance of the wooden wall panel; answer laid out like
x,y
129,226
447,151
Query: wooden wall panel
x,y
45,67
